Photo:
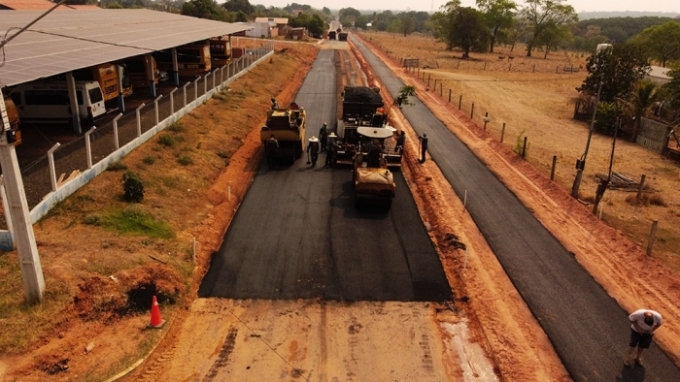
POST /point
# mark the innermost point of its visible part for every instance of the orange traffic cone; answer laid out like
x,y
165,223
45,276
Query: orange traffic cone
x,y
156,320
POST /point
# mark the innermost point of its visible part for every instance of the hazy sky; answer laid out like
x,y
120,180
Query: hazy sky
x,y
427,5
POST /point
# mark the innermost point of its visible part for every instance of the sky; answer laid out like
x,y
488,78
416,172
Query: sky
x,y
427,5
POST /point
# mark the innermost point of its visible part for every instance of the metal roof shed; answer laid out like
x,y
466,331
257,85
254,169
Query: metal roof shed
x,y
66,41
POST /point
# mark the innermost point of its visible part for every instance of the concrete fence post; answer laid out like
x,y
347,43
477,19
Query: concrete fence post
x,y
172,101
116,141
503,132
53,170
652,237
449,95
196,89
460,102
184,90
139,120
155,106
472,111
88,146
552,170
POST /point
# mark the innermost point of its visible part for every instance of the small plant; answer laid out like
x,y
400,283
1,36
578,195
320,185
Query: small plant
x,y
223,154
166,140
185,160
177,127
519,146
149,159
116,166
133,187
405,92
94,219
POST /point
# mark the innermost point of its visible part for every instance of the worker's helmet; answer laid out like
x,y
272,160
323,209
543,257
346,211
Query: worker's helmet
x,y
325,124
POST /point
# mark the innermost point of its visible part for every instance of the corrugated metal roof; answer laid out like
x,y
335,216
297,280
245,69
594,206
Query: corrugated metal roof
x,y
65,41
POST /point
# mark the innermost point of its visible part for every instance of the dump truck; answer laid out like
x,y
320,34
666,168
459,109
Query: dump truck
x,y
342,36
288,127
362,106
331,35
373,181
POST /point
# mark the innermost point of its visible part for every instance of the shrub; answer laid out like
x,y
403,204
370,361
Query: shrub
x,y
133,187
605,120
519,144
116,166
177,127
166,140
185,160
92,220
149,159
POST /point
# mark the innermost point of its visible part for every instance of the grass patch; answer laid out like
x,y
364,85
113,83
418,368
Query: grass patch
x,y
167,140
185,160
134,221
224,154
646,200
149,159
177,127
117,166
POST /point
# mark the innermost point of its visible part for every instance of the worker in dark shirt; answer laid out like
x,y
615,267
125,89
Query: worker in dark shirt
x,y
401,139
423,148
270,148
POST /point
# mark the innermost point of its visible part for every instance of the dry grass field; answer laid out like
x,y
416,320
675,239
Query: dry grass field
x,y
531,96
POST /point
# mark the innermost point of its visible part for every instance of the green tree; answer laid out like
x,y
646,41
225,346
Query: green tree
x,y
408,24
326,11
670,92
661,41
361,21
498,14
239,6
641,100
552,36
465,29
517,32
348,16
618,69
442,22
203,9
543,13
114,5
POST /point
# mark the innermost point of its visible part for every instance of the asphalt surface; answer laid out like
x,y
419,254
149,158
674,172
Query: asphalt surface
x,y
588,329
298,235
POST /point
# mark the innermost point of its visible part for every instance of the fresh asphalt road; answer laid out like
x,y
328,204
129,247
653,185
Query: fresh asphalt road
x,y
587,327
297,233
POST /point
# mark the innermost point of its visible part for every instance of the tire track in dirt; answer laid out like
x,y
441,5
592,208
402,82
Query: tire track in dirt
x,y
223,357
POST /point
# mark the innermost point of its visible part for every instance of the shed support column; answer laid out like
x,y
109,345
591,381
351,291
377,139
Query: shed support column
x,y
175,67
73,99
150,74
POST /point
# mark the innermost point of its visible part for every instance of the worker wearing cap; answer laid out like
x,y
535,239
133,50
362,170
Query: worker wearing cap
x,y
643,324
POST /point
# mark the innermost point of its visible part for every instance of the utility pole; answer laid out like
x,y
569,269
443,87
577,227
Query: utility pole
x,y
581,163
23,236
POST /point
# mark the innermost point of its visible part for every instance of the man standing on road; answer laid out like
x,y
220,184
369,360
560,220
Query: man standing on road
x,y
423,147
313,149
323,136
643,324
270,148
400,141
331,147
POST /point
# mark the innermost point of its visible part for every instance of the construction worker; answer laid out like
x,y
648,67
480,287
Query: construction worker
x,y
313,149
423,147
275,105
373,151
323,136
401,138
270,149
331,146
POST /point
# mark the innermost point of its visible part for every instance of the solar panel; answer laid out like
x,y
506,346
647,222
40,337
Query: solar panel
x,y
66,41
